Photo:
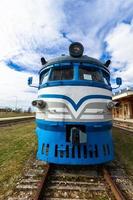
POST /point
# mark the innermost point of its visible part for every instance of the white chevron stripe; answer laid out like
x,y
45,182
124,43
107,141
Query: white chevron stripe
x,y
68,104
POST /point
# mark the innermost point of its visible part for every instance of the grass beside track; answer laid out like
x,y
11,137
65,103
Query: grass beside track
x,y
124,148
17,144
14,114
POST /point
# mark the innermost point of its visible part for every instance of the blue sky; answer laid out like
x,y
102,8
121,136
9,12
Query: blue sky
x,y
30,29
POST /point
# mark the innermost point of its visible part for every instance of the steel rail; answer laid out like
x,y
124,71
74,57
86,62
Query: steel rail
x,y
115,190
42,184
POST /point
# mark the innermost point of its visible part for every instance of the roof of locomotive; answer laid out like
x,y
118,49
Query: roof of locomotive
x,y
83,58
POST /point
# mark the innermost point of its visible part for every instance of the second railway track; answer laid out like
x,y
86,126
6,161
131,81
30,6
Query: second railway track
x,y
15,120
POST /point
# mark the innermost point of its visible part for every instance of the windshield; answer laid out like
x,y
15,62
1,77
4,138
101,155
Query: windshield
x,y
93,74
90,74
74,73
65,73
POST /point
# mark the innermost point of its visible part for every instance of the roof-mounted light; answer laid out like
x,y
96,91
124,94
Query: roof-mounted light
x,y
43,61
107,63
76,49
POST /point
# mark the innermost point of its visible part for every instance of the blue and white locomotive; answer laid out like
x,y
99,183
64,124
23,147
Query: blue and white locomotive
x,y
73,110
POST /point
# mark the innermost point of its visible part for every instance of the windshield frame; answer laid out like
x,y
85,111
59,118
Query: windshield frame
x,y
75,80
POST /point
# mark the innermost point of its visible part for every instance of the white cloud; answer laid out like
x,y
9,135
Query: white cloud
x,y
27,26
90,21
14,89
32,29
120,46
30,25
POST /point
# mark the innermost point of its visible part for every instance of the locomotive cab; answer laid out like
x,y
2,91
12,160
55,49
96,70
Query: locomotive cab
x,y
73,112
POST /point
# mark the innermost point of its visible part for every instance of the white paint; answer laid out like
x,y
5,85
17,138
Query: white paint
x,y
75,92
92,117
59,116
40,115
58,110
89,110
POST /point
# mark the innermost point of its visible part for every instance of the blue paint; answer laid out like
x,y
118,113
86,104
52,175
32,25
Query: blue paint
x,y
76,83
62,123
52,125
75,106
52,144
76,73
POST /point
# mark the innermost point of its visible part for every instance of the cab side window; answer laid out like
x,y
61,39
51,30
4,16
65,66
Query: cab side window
x,y
106,78
44,76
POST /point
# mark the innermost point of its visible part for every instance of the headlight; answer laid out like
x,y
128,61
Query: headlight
x,y
34,103
39,103
76,49
110,105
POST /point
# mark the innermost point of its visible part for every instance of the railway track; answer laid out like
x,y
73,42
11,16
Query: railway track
x,y
75,182
82,183
127,127
15,120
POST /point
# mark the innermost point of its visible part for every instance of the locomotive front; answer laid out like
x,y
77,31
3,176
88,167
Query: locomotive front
x,y
73,110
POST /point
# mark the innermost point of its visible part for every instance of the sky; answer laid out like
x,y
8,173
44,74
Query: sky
x,y
30,29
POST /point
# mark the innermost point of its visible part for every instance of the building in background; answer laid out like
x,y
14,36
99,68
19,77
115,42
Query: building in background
x,y
123,114
125,109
